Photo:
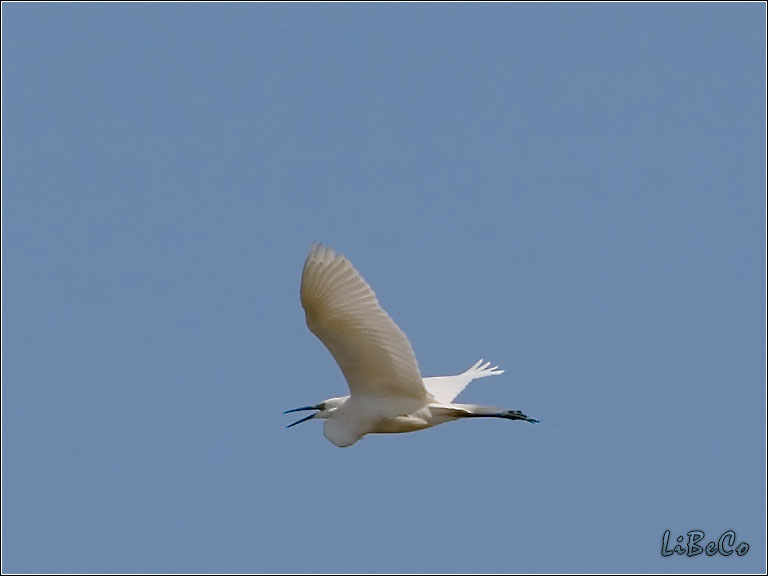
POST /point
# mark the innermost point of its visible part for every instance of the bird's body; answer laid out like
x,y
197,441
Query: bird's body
x,y
387,392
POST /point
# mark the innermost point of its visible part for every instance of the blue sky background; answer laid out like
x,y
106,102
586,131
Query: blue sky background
x,y
574,192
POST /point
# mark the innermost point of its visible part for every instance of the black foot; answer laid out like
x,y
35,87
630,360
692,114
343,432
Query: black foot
x,y
517,415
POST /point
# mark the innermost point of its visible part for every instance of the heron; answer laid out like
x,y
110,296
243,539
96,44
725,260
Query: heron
x,y
387,393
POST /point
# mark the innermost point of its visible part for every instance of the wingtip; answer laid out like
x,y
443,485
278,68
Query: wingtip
x,y
321,252
481,368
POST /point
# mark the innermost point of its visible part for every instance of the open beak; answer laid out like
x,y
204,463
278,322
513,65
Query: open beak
x,y
301,410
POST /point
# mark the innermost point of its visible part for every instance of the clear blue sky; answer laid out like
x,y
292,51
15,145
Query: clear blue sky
x,y
575,192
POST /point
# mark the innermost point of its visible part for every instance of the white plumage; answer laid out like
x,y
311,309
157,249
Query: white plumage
x,y
446,388
342,310
387,392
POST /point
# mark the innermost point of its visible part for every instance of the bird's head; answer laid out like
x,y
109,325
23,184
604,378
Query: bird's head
x,y
324,410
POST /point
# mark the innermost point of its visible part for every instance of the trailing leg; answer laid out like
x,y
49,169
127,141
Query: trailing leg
x,y
447,412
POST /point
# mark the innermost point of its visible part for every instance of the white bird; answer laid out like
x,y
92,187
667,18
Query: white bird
x,y
387,392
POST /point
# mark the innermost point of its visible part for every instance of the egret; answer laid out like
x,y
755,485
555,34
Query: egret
x,y
387,392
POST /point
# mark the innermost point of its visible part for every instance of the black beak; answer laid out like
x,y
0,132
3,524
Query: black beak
x,y
318,407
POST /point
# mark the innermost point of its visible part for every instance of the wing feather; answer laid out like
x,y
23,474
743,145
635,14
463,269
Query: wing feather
x,y
342,311
445,388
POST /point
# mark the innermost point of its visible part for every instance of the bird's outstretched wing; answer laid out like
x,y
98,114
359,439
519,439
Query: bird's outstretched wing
x,y
445,388
341,309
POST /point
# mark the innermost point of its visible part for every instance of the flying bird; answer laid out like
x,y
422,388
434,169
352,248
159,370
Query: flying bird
x,y
387,392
